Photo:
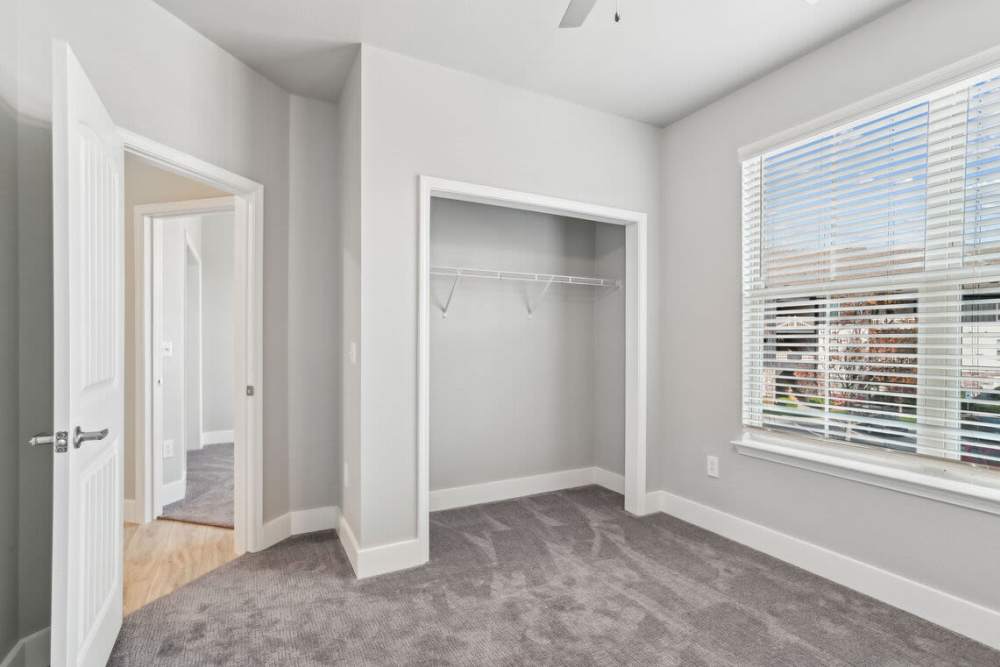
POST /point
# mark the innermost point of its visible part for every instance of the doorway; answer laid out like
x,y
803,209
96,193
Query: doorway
x,y
189,461
184,363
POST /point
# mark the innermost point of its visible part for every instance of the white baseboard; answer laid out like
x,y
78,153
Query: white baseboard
x,y
505,489
947,610
30,651
298,522
216,437
609,480
349,542
274,531
311,520
373,561
171,492
133,511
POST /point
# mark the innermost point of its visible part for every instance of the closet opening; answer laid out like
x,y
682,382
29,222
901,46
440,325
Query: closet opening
x,y
531,348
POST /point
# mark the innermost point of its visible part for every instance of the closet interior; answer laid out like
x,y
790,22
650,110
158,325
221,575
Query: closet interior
x,y
527,345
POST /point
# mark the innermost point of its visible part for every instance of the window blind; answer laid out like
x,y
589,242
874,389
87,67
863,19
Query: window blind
x,y
871,280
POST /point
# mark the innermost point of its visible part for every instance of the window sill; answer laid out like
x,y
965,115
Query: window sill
x,y
952,483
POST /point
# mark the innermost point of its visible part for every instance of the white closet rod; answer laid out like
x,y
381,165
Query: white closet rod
x,y
490,274
456,273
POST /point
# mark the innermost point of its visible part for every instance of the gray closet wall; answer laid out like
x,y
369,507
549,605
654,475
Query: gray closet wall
x,y
513,395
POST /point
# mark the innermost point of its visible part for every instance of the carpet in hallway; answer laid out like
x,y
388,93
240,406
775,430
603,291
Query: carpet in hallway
x,y
209,496
566,578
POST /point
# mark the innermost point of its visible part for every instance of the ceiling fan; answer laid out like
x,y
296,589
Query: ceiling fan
x,y
577,12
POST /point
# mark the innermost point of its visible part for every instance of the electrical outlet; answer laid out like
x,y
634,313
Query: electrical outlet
x,y
168,449
712,466
347,476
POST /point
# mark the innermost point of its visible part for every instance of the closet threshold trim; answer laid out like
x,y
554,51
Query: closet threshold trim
x,y
491,274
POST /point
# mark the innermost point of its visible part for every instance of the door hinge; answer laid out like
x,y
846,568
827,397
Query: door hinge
x,y
249,390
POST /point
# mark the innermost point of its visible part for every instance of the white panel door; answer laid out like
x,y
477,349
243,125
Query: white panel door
x,y
89,325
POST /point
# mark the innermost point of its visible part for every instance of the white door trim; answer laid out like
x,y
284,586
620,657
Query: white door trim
x,y
248,203
635,327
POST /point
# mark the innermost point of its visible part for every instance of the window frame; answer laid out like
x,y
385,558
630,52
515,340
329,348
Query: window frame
x,y
957,482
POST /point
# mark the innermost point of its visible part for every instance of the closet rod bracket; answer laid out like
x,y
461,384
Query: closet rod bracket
x,y
532,307
451,295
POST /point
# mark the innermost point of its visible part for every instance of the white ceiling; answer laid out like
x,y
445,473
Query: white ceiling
x,y
665,59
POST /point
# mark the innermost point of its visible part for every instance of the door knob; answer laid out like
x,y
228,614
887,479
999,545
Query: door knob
x,y
59,439
81,436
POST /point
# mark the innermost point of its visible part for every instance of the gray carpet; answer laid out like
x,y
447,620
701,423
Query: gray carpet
x,y
563,578
209,496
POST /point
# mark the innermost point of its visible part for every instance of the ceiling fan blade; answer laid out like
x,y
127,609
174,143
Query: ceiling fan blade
x,y
576,13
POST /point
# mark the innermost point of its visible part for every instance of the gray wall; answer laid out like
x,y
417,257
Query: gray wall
x,y
511,395
426,119
937,544
35,368
217,275
313,307
609,351
10,444
349,136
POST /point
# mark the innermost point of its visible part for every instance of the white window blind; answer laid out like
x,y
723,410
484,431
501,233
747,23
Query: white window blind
x,y
871,280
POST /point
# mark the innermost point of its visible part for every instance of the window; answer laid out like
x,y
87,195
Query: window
x,y
871,280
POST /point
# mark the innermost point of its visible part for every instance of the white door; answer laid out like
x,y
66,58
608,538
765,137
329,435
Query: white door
x,y
88,327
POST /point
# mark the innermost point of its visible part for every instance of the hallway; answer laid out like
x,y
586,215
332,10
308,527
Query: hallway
x,y
208,499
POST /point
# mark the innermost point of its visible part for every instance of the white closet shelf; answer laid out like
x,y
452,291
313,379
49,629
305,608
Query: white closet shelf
x,y
490,274
456,273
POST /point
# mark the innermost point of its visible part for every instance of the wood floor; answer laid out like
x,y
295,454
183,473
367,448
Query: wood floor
x,y
161,556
